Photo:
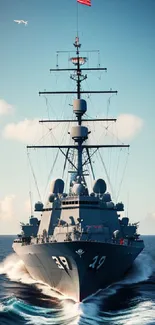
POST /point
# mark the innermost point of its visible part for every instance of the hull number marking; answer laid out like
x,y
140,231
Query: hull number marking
x,y
97,262
61,262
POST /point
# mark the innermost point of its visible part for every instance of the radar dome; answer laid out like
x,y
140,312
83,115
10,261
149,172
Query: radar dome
x,y
110,205
79,106
79,132
78,189
125,221
107,197
99,186
57,186
38,206
120,206
51,198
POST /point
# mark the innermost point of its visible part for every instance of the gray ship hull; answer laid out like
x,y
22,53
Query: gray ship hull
x,y
78,269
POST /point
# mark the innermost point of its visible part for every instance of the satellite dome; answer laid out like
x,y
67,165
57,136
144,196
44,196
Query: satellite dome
x,y
38,206
51,198
64,195
125,221
99,186
79,106
120,206
110,205
78,189
57,186
107,197
79,132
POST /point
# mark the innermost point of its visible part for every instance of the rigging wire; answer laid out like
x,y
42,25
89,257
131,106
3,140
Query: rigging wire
x,y
120,185
117,167
56,157
30,195
57,65
105,169
47,107
91,180
49,176
127,209
98,64
51,129
30,187
35,180
110,151
66,180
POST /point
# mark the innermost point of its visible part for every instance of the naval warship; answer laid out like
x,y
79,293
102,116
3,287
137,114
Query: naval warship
x,y
81,243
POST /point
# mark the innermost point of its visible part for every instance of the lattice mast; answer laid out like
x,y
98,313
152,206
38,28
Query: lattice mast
x,y
78,133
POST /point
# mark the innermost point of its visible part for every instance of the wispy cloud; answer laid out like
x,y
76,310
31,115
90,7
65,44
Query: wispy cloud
x,y
28,131
11,207
25,131
147,225
7,207
5,108
128,126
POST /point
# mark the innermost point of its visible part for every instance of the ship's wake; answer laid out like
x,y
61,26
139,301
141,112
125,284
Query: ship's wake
x,y
61,309
16,309
139,271
15,270
66,311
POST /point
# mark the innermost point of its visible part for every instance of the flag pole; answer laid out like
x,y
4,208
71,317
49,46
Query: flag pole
x,y
77,19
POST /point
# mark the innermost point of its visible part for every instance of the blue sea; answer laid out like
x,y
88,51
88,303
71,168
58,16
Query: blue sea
x,y
130,301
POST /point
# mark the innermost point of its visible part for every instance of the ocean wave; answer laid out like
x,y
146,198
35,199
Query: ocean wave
x,y
75,314
142,314
15,270
71,313
65,313
139,271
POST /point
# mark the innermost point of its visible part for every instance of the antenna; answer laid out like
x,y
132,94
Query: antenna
x,y
79,133
77,19
30,195
127,212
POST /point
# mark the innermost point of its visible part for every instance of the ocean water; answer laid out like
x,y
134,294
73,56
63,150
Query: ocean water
x,y
130,301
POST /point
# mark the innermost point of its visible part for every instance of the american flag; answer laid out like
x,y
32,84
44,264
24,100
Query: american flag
x,y
85,2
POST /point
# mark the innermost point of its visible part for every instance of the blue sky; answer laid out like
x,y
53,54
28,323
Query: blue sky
x,y
123,31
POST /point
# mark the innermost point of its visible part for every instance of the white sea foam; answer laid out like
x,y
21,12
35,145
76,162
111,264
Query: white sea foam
x,y
139,271
1,307
143,314
70,311
15,270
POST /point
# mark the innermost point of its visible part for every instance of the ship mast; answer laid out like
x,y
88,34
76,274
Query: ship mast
x,y
79,133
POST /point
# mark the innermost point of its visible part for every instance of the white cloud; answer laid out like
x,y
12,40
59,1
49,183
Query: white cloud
x,y
7,207
28,131
13,210
128,126
27,206
24,131
31,131
5,108
147,225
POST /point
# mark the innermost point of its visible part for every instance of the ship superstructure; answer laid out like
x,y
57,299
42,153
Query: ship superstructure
x,y
80,244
